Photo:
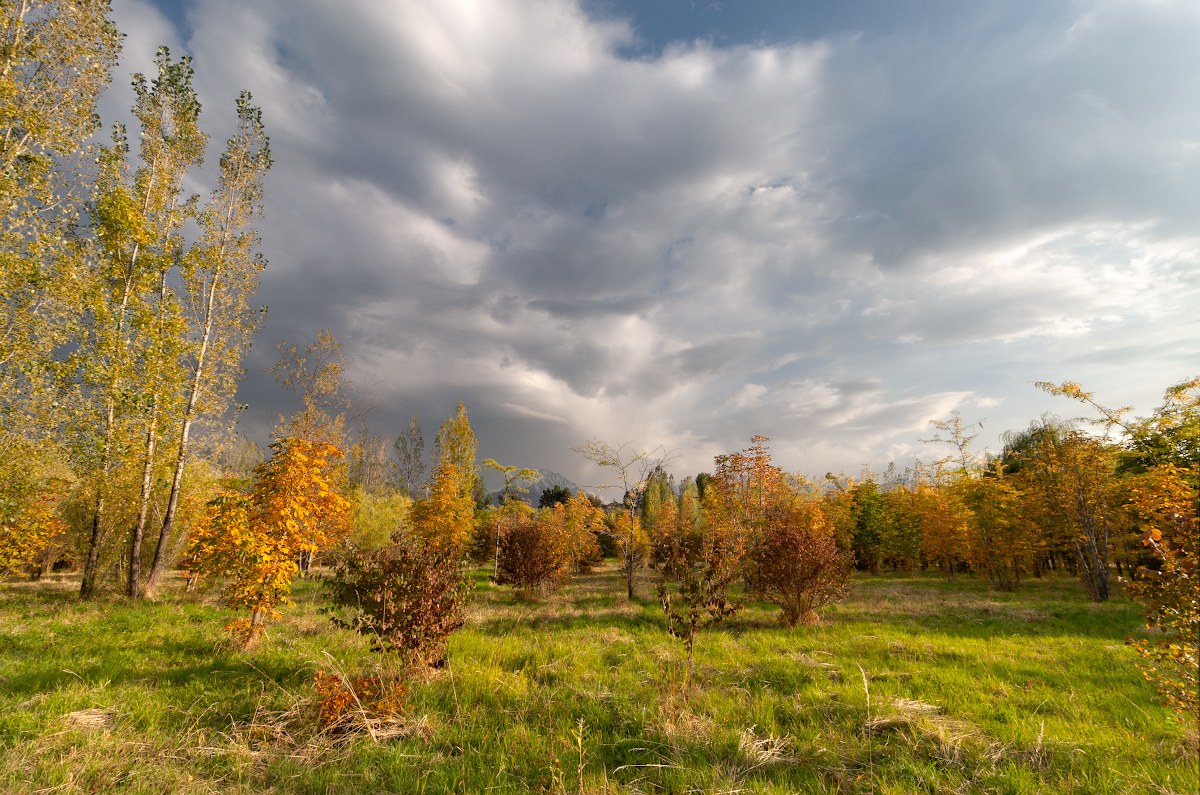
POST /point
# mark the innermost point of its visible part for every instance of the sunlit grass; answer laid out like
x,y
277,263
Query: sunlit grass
x,y
910,685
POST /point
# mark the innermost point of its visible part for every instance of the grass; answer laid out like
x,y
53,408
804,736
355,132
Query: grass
x,y
910,685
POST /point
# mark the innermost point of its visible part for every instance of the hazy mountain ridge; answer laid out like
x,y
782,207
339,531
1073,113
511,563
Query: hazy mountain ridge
x,y
548,479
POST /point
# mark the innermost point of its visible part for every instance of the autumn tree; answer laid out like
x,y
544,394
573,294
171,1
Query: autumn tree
x,y
456,443
630,469
256,541
137,216
944,526
797,563
56,58
579,521
532,555
999,542
444,518
697,562
511,508
1166,504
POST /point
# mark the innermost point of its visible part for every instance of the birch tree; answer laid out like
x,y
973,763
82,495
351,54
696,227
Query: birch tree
x,y
630,469
220,275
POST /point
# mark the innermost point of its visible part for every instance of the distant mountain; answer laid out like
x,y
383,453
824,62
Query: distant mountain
x,y
548,480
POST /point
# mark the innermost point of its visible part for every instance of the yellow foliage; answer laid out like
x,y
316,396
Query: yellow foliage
x,y
27,534
256,540
444,519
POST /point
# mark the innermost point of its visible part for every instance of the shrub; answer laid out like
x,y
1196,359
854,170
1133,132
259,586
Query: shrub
x,y
532,556
798,566
408,598
339,702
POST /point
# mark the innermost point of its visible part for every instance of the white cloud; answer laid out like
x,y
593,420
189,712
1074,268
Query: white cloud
x,y
827,242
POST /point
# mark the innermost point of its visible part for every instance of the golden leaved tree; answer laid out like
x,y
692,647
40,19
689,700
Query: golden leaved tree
x,y
256,541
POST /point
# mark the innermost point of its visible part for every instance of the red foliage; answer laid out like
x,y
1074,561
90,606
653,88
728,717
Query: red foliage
x,y
797,564
532,556
409,598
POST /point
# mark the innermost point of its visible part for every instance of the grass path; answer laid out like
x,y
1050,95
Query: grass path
x,y
910,685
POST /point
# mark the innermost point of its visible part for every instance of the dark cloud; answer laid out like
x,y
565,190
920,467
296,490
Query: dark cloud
x,y
829,237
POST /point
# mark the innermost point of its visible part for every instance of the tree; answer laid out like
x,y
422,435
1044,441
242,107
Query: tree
x,y
797,564
256,540
136,219
410,465
443,520
1166,504
873,521
56,58
579,521
556,495
510,509
407,597
999,543
455,442
944,525
630,469
318,379
219,274
533,556
703,564
370,462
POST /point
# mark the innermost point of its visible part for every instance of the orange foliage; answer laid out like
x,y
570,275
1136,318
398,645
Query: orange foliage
x,y
256,540
1167,505
578,521
339,701
27,533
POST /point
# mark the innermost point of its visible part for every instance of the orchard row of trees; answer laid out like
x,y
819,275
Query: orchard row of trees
x,y
120,340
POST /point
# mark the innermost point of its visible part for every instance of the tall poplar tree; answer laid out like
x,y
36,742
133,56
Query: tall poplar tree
x,y
56,57
137,218
55,60
220,274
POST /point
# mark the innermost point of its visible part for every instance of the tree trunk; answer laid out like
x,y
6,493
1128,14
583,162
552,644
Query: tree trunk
x,y
139,529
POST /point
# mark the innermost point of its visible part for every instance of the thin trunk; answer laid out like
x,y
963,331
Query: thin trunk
x,y
164,536
87,586
139,529
629,555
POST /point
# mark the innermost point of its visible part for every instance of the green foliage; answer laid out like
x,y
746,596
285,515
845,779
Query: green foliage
x,y
376,518
554,496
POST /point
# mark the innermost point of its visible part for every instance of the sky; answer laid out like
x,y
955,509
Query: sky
x,y
684,223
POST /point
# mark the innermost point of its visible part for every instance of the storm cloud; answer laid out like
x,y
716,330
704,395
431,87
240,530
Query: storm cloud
x,y
829,238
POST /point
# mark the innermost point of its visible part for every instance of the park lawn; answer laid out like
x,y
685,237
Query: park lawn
x,y
909,685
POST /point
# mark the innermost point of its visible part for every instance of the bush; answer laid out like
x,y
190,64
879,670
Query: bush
x,y
409,598
797,564
532,557
343,705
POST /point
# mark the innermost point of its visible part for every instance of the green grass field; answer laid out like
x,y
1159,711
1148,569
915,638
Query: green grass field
x,y
910,685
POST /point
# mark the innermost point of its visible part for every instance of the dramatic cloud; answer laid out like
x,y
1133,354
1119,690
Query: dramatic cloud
x,y
827,240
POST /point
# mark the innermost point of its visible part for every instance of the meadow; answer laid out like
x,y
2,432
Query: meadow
x,y
909,685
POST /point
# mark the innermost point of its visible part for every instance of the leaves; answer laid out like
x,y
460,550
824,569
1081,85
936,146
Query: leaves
x,y
255,540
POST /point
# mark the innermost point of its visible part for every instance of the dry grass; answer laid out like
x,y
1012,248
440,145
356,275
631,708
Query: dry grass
x,y
90,719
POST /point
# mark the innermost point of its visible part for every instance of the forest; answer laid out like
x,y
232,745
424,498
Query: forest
x,y
186,611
